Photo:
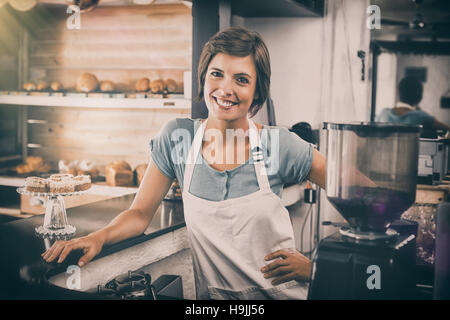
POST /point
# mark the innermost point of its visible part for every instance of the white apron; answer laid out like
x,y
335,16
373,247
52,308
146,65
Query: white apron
x,y
230,238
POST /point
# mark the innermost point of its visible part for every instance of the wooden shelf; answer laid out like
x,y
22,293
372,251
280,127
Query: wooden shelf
x,y
101,103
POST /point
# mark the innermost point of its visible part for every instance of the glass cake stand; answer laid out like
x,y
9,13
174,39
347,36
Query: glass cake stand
x,y
56,226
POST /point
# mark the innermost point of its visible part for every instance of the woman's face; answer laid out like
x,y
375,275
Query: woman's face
x,y
230,84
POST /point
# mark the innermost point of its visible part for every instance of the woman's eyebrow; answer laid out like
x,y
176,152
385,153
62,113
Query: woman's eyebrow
x,y
237,74
243,74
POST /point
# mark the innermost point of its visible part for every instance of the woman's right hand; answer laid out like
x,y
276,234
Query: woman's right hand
x,y
91,245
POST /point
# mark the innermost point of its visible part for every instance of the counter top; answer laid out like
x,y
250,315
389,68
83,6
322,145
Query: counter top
x,y
24,274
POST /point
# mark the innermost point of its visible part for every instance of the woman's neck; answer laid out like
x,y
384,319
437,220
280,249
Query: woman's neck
x,y
223,125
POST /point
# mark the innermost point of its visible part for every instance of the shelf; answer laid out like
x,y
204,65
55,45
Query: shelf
x,y
114,68
101,103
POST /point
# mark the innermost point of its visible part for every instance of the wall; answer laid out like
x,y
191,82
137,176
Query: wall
x,y
386,82
117,43
316,74
315,69
10,31
438,81
121,44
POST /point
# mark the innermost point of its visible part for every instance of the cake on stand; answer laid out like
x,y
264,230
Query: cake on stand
x,y
56,226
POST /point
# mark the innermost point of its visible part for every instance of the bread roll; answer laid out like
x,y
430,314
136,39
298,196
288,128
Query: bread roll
x,y
157,86
107,86
56,86
139,173
171,85
119,173
87,167
142,85
87,82
42,85
29,86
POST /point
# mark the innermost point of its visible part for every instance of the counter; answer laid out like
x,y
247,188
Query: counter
x,y
25,275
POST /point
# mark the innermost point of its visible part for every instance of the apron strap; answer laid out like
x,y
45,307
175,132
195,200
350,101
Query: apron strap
x,y
258,156
255,149
193,156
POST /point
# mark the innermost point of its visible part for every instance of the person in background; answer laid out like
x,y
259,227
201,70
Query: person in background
x,y
407,110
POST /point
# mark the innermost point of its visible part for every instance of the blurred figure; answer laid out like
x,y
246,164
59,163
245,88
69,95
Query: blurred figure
x,y
407,110
304,131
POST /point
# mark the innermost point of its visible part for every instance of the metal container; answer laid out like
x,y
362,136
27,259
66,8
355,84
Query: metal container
x,y
371,172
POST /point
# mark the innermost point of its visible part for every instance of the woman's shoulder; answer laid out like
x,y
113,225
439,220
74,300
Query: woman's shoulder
x,y
279,131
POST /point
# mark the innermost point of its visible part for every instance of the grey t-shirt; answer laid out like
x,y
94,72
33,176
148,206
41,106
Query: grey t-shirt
x,y
416,117
287,157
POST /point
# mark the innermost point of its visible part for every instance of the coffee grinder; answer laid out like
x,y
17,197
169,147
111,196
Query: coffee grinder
x,y
371,181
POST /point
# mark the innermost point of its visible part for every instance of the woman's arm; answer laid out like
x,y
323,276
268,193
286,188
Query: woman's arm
x,y
134,221
129,223
318,173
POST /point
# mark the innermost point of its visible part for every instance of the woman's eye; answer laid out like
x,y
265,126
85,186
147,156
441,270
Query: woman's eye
x,y
242,80
215,74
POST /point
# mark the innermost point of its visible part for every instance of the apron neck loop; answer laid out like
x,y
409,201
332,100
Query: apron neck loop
x,y
256,153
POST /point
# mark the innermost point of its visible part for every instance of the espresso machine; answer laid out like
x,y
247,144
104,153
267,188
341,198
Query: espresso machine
x,y
371,180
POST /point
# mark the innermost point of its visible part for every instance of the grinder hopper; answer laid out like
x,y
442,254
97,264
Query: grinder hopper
x,y
371,173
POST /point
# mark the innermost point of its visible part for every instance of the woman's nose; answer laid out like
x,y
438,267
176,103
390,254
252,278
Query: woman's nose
x,y
225,88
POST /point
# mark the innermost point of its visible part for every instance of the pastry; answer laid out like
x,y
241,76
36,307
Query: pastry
x,y
42,85
107,86
87,167
82,182
56,86
142,85
29,86
32,164
119,173
157,86
170,85
66,166
61,186
36,184
61,176
87,82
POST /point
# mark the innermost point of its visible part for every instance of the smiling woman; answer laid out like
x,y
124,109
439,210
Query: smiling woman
x,y
232,207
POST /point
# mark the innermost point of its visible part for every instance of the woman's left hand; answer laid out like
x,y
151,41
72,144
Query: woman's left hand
x,y
289,265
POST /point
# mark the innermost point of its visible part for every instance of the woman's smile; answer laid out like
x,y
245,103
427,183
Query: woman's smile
x,y
225,104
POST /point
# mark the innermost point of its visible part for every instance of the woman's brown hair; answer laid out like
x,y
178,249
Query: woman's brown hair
x,y
240,42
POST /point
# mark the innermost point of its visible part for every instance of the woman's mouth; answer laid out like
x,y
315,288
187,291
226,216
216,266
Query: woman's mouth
x,y
225,104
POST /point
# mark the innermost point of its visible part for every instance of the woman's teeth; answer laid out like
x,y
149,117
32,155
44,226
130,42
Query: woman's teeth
x,y
225,103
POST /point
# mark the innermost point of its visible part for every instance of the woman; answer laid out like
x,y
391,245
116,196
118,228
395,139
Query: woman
x,y
234,217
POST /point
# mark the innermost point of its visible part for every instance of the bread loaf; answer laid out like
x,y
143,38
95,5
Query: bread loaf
x,y
107,86
42,85
29,86
56,86
171,85
139,172
157,86
87,82
142,85
119,173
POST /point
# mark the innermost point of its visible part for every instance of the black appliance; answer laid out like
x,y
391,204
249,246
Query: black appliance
x,y
371,181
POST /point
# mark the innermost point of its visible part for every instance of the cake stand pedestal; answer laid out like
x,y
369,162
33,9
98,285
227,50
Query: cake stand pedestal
x,y
56,226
